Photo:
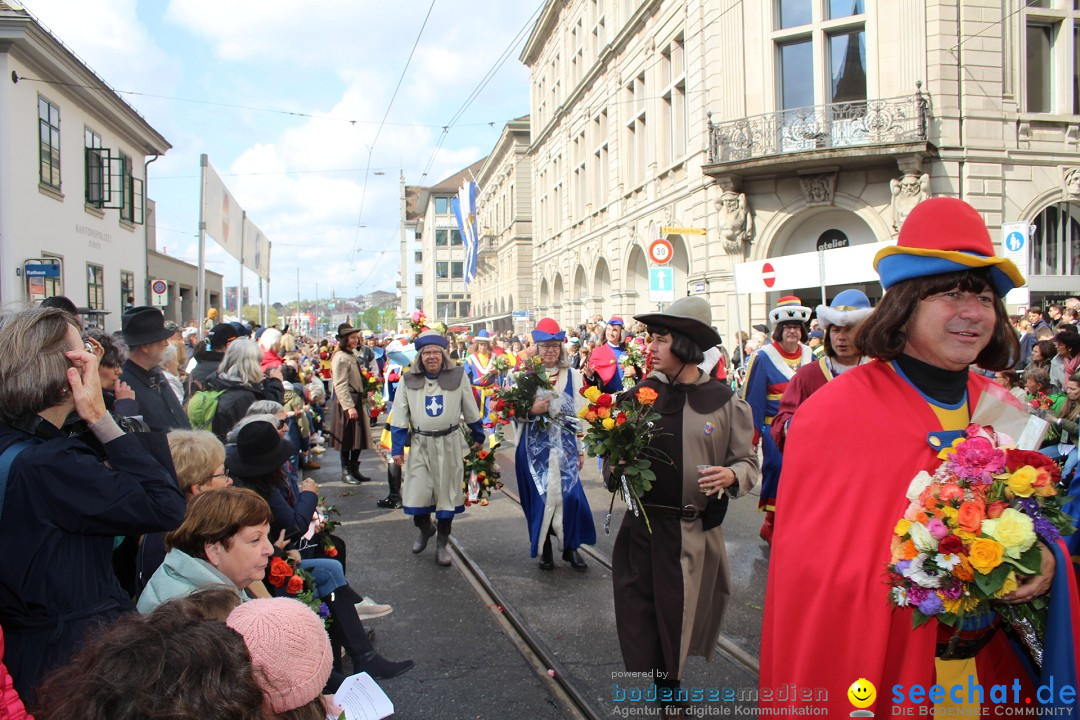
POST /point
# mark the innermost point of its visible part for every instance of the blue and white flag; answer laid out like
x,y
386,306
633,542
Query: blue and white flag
x,y
464,207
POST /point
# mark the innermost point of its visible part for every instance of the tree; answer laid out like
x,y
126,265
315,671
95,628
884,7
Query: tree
x,y
377,319
252,314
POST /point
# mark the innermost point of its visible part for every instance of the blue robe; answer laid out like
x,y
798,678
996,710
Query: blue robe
x,y
577,520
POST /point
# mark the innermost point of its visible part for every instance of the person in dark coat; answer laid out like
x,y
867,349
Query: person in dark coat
x,y
147,337
63,504
208,357
240,376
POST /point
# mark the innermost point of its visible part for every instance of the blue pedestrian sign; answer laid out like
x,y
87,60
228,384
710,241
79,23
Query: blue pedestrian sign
x,y
1014,241
661,284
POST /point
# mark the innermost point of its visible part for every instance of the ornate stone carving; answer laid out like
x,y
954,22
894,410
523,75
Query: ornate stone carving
x,y
734,221
907,192
1070,182
819,189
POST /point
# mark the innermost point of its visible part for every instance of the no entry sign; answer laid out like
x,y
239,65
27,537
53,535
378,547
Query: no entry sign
x,y
768,275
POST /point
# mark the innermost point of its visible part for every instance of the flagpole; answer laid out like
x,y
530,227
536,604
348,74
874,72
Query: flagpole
x,y
201,282
240,285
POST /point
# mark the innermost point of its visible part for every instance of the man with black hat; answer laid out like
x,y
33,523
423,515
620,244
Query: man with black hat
x,y
672,584
209,355
350,431
147,337
434,396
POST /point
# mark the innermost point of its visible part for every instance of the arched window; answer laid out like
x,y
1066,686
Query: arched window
x,y
1055,244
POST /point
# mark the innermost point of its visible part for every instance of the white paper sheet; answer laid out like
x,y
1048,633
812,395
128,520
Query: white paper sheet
x,y
361,698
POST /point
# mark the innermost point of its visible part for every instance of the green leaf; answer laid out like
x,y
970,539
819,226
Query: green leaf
x,y
917,618
1030,562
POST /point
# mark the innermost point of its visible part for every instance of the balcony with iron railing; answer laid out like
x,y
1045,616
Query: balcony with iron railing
x,y
822,134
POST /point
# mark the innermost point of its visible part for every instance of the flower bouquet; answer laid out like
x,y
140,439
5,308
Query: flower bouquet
x,y
294,581
621,435
501,366
515,402
482,474
417,321
970,533
370,382
634,358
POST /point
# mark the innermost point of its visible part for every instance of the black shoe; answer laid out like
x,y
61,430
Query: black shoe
x,y
546,561
573,557
347,478
388,504
380,668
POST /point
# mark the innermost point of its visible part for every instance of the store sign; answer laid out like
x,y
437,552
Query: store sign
x,y
832,240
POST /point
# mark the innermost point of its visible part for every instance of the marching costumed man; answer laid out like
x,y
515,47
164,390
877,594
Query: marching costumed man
x,y
672,584
839,321
350,428
605,367
433,398
550,456
832,612
767,376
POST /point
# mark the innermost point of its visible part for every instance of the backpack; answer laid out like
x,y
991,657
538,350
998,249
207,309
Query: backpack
x,y
202,407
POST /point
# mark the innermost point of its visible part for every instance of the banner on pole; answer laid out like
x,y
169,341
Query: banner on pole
x,y
256,250
221,213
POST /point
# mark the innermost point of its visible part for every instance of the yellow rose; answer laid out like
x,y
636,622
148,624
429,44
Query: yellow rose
x,y
1013,529
1008,586
985,555
582,411
1022,481
592,393
608,423
902,527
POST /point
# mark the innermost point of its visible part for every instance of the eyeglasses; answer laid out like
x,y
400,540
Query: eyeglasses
x,y
220,474
548,346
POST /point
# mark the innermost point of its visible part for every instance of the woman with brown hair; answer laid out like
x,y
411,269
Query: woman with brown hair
x,y
64,501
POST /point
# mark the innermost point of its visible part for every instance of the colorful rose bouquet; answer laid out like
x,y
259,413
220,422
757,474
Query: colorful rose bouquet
x,y
514,402
482,473
417,321
634,358
371,383
296,582
970,533
622,435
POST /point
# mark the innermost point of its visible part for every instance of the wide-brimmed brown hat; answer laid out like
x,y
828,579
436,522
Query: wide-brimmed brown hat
x,y
691,316
344,330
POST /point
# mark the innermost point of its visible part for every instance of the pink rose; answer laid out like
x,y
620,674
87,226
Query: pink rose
x,y
937,528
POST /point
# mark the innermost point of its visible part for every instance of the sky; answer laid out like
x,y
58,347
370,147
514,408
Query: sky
x,y
286,100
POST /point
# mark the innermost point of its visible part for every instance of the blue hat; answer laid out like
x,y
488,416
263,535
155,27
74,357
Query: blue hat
x,y
483,335
848,308
615,321
430,337
547,330
242,330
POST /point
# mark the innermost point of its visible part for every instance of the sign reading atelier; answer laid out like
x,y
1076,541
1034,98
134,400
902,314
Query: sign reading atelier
x,y
832,239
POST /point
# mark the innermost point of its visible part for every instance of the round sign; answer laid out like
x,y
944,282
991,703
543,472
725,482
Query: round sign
x,y
159,287
768,275
1014,241
660,251
831,240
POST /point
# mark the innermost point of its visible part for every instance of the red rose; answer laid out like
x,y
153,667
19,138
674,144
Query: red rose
x,y
605,400
1016,459
994,509
296,584
950,545
331,552
280,571
620,419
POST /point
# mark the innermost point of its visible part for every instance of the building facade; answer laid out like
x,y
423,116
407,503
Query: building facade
x,y
777,144
439,263
504,275
72,178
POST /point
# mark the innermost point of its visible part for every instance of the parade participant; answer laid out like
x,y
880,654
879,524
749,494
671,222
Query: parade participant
x,y
147,337
478,363
672,585
434,396
549,459
605,367
942,312
767,376
839,322
350,429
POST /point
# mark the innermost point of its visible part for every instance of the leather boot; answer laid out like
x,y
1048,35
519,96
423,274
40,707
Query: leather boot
x,y
427,529
350,633
442,551
546,561
572,556
346,472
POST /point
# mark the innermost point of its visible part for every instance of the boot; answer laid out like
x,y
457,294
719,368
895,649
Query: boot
x,y
350,633
442,552
546,561
346,471
392,501
354,468
572,556
423,522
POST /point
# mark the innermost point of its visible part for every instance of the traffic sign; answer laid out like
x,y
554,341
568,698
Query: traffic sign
x,y
159,290
660,251
661,284
159,287
768,275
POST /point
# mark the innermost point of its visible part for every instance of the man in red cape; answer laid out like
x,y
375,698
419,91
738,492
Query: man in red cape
x,y
852,450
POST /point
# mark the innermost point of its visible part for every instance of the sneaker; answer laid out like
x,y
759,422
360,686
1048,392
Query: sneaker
x,y
368,609
317,450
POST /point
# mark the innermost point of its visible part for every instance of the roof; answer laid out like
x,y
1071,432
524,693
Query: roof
x,y
452,183
414,211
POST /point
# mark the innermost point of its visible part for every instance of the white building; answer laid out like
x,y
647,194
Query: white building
x,y
72,177
779,127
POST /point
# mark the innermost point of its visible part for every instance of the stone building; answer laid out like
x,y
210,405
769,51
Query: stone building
x,y
776,144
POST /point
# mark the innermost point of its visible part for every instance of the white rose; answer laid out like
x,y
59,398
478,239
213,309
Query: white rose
x,y
924,541
918,483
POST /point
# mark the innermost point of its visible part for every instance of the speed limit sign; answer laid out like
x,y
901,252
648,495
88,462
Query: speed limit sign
x,y
660,251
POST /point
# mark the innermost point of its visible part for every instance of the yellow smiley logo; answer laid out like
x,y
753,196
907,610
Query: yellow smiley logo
x,y
862,693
